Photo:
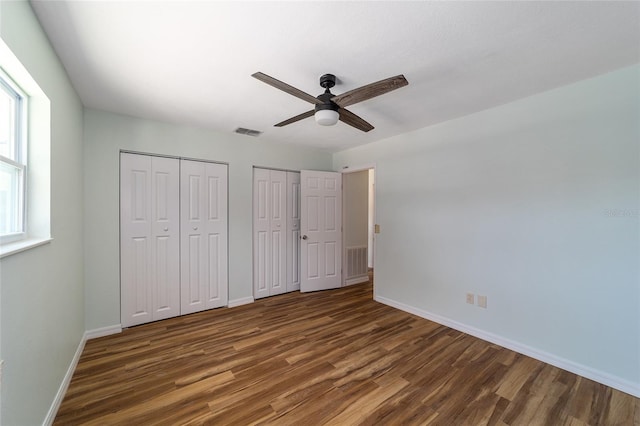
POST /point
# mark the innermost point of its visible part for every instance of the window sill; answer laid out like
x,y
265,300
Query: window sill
x,y
22,245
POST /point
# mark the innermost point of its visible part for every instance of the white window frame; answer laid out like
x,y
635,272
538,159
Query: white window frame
x,y
19,160
37,211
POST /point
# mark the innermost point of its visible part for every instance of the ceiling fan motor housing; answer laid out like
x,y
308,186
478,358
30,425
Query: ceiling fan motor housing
x,y
327,103
327,81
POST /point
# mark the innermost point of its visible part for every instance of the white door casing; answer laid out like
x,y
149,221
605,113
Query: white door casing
x,y
149,238
321,229
270,245
293,231
204,235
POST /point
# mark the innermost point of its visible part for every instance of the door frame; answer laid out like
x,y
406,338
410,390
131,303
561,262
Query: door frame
x,y
354,169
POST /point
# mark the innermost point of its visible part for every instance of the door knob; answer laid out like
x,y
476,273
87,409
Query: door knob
x,y
304,237
166,229
195,228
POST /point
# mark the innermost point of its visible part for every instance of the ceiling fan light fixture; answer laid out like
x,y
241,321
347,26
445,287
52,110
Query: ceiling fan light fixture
x,y
327,117
326,112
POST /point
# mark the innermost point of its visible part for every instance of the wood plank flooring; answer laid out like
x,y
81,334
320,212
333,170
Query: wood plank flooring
x,y
335,358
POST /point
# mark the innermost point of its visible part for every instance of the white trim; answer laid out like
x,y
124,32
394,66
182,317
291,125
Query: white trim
x,y
239,302
356,280
62,390
22,245
359,168
103,331
615,382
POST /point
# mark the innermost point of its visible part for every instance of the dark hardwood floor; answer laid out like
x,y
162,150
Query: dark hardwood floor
x,y
334,357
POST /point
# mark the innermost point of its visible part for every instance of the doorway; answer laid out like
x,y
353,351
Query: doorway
x,y
359,224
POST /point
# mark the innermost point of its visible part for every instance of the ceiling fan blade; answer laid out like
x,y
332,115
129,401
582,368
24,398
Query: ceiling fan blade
x,y
370,91
351,119
296,118
286,88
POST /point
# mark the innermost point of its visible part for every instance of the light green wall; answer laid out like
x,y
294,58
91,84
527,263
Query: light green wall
x,y
516,203
106,134
42,296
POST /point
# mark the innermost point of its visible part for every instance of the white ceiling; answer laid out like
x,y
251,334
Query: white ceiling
x,y
191,62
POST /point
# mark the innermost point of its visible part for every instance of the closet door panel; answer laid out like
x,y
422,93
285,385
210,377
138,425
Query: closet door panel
x,y
278,226
293,231
192,250
213,278
149,240
165,230
191,279
261,240
135,253
204,235
216,269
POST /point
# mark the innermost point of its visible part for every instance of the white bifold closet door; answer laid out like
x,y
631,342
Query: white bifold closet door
x,y
173,237
203,208
149,238
269,227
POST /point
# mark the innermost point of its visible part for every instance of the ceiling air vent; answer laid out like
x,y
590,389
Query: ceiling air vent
x,y
249,132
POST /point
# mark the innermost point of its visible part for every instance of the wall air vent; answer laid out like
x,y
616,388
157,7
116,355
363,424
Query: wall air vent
x,y
249,132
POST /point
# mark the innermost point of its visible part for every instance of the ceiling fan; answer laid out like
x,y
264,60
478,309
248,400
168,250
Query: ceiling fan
x,y
330,108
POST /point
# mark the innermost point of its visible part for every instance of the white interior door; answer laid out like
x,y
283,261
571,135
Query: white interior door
x,y
270,225
149,238
321,229
203,253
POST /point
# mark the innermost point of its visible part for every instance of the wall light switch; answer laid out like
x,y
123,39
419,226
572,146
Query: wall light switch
x,y
482,301
376,228
470,298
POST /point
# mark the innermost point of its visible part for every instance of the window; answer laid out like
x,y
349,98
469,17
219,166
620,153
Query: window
x,y
13,162
25,158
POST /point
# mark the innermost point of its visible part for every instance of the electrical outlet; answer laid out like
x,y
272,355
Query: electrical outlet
x,y
482,301
471,298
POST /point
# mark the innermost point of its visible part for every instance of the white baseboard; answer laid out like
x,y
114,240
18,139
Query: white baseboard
x,y
103,331
604,378
356,280
239,302
62,390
